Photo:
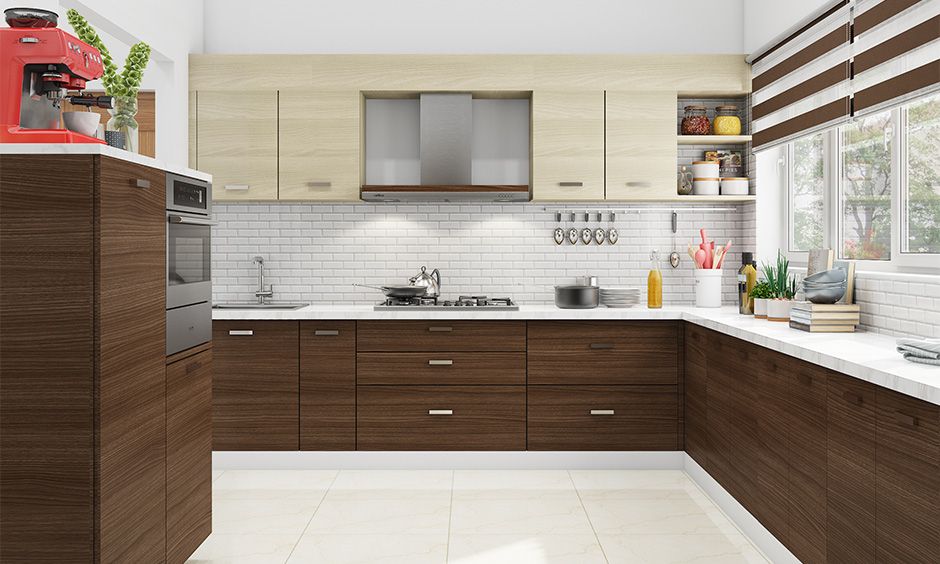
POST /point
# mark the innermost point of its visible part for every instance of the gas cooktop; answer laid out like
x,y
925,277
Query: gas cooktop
x,y
462,302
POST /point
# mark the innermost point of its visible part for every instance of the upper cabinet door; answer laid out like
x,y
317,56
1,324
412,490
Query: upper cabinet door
x,y
641,145
568,145
236,142
319,145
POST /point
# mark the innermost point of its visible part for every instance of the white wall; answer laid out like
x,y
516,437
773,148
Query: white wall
x,y
764,20
481,26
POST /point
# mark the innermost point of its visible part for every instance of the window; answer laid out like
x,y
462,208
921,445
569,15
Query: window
x,y
870,189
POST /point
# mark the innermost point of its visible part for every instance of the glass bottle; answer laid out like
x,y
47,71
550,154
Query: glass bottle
x,y
747,279
726,121
654,283
123,121
695,122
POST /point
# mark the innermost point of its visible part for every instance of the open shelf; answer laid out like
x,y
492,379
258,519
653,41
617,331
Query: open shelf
x,y
713,139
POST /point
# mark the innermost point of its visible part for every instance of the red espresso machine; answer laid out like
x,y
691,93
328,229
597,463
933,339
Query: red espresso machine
x,y
38,62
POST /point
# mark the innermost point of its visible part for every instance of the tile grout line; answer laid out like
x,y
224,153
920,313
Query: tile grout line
x,y
593,530
450,516
307,526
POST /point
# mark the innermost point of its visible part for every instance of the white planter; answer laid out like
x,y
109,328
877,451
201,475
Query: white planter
x,y
708,287
760,308
779,310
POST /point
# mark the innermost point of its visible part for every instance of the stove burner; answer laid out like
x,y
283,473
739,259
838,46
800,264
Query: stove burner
x,y
418,301
461,301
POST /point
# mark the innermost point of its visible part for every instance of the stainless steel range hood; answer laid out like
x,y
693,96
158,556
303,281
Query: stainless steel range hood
x,y
446,158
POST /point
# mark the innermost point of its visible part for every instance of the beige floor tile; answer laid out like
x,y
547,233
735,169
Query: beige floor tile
x,y
525,549
673,549
273,484
392,484
370,549
513,517
244,549
380,517
513,484
651,517
261,517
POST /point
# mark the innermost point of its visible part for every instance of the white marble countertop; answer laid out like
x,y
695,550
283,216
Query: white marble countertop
x,y
867,356
98,149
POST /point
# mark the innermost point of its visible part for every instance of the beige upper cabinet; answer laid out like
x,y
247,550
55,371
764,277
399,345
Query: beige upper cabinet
x,y
236,142
641,145
319,145
568,145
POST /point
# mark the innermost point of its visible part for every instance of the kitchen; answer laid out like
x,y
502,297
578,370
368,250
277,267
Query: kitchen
x,y
321,450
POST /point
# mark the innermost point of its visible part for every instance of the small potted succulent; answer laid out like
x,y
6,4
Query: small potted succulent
x,y
761,294
782,288
123,86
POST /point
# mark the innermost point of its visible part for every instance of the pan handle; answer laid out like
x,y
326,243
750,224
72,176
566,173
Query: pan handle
x,y
368,286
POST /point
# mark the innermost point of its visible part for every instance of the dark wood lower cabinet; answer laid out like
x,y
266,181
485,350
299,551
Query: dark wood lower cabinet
x,y
441,417
771,371
602,418
696,394
327,385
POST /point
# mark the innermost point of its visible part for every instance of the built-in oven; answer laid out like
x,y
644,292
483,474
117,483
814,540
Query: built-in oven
x,y
188,262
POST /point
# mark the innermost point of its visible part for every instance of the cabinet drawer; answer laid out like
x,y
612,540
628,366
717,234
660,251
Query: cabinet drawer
x,y
439,369
603,418
448,335
603,352
441,417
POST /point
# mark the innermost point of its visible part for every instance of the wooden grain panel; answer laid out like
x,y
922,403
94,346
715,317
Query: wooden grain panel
x,y
255,386
188,455
131,346
772,412
318,137
327,385
640,141
484,418
568,145
696,394
807,462
46,351
237,142
634,352
644,418
850,470
908,479
441,336
507,369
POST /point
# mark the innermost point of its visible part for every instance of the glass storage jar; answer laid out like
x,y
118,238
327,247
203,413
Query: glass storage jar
x,y
726,121
695,122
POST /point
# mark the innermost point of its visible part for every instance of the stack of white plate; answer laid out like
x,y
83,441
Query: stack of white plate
x,y
619,297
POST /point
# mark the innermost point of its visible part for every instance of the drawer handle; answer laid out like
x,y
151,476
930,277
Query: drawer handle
x,y
440,362
805,379
440,412
440,329
319,184
639,184
322,333
238,333
193,366
571,183
852,398
602,345
236,187
602,412
140,183
904,419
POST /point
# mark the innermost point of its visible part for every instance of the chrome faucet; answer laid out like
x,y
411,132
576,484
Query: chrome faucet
x,y
261,294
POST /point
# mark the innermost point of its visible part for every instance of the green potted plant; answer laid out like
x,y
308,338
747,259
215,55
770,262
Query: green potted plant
x,y
761,294
123,86
782,288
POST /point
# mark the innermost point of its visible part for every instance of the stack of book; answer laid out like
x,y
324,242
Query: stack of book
x,y
824,318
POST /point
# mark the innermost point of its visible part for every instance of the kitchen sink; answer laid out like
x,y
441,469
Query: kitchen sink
x,y
255,305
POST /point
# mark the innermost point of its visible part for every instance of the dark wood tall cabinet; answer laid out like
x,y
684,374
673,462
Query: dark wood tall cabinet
x,y
83,405
328,385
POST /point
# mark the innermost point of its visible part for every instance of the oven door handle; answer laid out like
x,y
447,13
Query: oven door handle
x,y
183,220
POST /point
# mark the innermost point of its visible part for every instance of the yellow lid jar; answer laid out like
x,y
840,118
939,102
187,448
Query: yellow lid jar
x,y
726,121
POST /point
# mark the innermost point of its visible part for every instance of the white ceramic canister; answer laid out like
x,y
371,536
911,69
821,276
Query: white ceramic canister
x,y
734,186
778,310
707,287
705,186
705,169
760,308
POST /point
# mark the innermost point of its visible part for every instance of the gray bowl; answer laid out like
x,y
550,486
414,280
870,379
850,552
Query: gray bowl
x,y
827,276
824,295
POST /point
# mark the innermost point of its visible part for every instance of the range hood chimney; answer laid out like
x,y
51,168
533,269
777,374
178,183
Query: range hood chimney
x,y
446,158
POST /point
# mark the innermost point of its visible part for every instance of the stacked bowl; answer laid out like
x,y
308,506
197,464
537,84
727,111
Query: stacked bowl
x,y
826,287
620,297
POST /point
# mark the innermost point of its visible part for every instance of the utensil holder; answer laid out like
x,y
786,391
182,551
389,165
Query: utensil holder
x,y
708,287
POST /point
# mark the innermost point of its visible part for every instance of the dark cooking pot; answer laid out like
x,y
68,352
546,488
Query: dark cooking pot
x,y
577,297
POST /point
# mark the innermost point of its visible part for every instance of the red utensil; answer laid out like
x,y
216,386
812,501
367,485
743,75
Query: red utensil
x,y
709,249
724,253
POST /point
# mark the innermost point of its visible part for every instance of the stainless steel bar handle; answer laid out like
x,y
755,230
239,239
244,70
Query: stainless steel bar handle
x,y
183,220
602,412
236,187
325,333
440,412
319,184
140,183
602,345
440,329
571,183
441,362
239,333
640,184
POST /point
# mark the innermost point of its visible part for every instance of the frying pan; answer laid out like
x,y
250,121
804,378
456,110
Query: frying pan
x,y
398,291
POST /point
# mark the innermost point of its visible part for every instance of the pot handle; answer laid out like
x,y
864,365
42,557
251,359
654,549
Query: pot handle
x,y
438,273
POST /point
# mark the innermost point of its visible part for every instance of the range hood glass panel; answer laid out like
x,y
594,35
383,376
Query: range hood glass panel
x,y
500,145
393,142
446,133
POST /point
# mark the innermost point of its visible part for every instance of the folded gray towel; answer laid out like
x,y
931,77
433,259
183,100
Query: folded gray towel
x,y
924,351
914,351
921,360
